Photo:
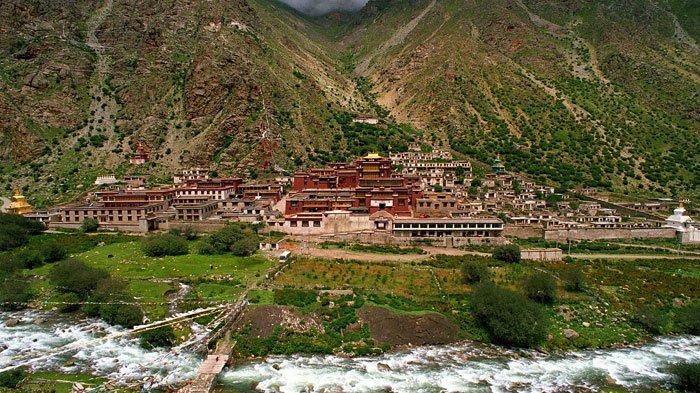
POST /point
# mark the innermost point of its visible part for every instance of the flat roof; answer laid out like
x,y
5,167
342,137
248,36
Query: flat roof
x,y
485,220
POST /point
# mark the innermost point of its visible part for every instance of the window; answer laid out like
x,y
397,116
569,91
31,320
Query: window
x,y
317,224
305,224
292,223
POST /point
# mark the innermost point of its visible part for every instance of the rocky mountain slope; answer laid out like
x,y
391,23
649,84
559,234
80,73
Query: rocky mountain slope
x,y
603,94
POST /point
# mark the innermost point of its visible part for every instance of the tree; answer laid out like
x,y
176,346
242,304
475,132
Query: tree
x,y
245,247
12,236
89,225
188,233
474,272
30,258
508,253
53,252
72,275
541,287
510,318
164,245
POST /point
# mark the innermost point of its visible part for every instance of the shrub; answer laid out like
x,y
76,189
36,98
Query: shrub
x,y
30,259
72,275
541,287
510,318
163,337
474,272
651,319
245,247
12,236
14,294
163,245
53,252
126,315
188,233
89,225
508,253
574,280
12,378
689,319
31,227
206,249
69,302
687,376
294,297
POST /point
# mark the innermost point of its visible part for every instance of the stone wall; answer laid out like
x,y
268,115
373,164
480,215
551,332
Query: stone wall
x,y
591,234
690,237
198,226
523,231
542,255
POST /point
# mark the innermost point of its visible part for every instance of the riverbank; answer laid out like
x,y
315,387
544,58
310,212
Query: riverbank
x,y
466,366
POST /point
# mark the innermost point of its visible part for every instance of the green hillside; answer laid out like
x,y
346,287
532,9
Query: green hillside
x,y
581,93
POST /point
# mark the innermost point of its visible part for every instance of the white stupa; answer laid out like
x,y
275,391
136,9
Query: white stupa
x,y
679,221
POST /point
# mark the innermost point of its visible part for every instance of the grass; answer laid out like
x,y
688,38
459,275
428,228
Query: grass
x,y
49,381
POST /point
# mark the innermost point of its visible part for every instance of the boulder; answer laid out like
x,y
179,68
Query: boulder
x,y
383,367
570,334
12,322
586,324
40,321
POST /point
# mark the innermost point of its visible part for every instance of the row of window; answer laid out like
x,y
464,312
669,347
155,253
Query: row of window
x,y
451,226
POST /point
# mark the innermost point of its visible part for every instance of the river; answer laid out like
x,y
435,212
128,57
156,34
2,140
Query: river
x,y
459,368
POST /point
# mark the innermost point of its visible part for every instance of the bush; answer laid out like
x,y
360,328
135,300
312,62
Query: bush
x,y
294,297
12,378
12,236
541,287
510,318
31,227
651,319
475,272
70,302
30,259
126,315
163,337
188,233
89,225
687,376
53,252
574,280
245,247
164,245
14,294
206,249
508,253
689,319
72,275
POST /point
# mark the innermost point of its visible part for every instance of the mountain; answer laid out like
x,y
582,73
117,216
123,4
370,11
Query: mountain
x,y
581,93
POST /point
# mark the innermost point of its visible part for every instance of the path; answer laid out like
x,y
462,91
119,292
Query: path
x,y
633,256
398,37
5,204
673,250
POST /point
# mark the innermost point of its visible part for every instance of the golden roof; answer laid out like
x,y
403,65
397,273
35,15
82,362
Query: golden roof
x,y
18,204
373,156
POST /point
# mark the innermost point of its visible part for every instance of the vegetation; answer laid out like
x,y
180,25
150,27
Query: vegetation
x,y
294,297
240,239
89,225
651,319
541,287
574,279
163,337
509,318
508,253
13,378
391,249
15,231
164,245
687,376
106,297
689,319
474,272
15,294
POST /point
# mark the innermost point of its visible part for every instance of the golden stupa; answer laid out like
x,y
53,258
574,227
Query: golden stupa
x,y
19,205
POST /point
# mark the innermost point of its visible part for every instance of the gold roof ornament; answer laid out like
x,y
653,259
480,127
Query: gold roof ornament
x,y
18,204
373,156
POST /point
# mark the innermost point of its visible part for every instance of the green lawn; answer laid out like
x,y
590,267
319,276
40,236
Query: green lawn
x,y
129,262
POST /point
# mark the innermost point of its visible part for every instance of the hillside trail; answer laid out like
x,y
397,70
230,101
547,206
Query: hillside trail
x,y
398,37
103,105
